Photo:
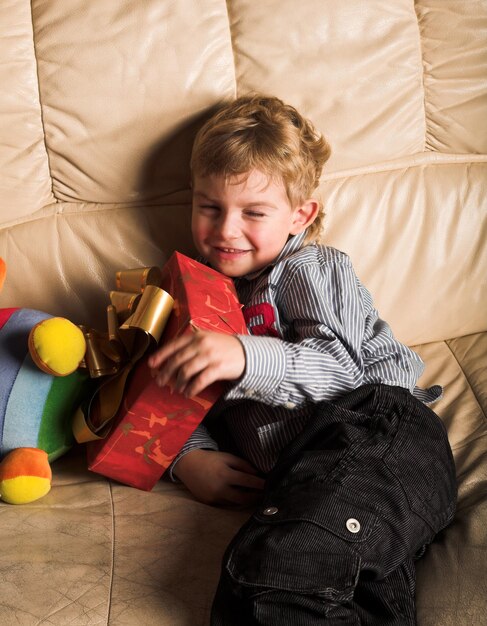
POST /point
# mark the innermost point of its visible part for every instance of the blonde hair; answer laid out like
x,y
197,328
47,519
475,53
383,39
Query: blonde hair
x,y
262,132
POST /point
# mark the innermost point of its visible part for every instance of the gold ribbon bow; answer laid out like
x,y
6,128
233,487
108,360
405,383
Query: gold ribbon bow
x,y
136,317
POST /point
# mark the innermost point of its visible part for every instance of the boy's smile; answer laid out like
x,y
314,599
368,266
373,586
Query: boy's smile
x,y
241,224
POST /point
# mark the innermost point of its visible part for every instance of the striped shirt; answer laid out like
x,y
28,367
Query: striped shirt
x,y
314,335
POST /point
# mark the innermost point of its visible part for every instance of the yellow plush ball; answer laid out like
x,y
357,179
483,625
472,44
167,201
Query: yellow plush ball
x,y
57,346
25,476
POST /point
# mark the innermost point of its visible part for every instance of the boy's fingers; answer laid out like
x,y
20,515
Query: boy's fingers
x,y
244,479
174,367
238,463
249,481
201,376
199,382
183,366
168,350
234,496
189,364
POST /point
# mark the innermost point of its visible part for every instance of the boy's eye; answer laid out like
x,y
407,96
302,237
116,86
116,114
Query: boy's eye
x,y
255,214
209,208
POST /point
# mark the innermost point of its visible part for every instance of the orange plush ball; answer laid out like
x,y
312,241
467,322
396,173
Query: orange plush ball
x,y
25,476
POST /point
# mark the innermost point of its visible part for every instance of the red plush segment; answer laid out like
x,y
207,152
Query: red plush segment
x,y
25,462
3,272
5,315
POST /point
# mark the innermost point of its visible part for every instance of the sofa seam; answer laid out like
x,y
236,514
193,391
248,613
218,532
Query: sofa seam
x,y
422,64
112,553
41,107
484,415
230,36
104,206
440,159
428,158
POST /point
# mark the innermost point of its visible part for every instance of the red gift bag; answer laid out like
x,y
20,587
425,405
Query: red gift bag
x,y
153,423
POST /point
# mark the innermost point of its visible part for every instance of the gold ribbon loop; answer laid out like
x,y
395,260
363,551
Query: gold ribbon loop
x,y
112,323
155,305
98,360
135,281
125,303
113,354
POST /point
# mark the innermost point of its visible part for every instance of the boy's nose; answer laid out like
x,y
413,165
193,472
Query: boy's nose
x,y
228,227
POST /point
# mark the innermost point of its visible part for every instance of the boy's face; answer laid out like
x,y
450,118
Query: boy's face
x,y
241,224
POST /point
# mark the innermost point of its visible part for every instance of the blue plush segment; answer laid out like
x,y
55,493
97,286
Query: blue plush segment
x,y
25,407
14,336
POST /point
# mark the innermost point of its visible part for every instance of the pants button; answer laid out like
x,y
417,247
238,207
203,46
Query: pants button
x,y
353,525
271,510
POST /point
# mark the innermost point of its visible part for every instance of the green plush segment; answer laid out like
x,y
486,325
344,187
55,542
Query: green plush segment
x,y
55,432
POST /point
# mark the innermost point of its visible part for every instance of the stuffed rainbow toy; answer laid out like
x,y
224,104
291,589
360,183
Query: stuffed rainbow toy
x,y
36,407
39,390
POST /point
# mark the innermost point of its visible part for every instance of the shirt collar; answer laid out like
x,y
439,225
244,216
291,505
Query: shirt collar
x,y
294,243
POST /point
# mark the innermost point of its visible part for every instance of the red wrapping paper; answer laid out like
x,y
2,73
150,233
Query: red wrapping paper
x,y
154,423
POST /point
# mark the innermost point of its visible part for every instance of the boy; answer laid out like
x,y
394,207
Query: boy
x,y
359,475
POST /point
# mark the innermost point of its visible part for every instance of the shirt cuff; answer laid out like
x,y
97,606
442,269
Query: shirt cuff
x,y
199,440
265,369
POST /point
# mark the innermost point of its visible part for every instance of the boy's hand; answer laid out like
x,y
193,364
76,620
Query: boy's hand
x,y
215,477
197,360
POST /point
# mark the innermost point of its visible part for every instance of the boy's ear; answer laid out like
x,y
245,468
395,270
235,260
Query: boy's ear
x,y
304,215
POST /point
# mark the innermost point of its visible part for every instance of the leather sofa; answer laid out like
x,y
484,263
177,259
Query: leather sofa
x,y
100,102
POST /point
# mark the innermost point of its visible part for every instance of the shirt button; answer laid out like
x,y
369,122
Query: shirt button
x,y
353,525
249,393
289,405
271,510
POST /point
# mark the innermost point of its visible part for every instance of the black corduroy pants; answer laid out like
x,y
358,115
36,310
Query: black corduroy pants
x,y
350,504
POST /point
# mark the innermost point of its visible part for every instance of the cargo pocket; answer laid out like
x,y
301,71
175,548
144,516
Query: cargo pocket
x,y
332,576
303,546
